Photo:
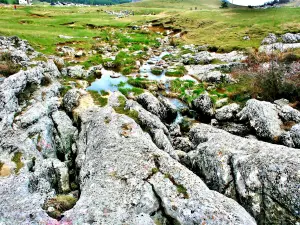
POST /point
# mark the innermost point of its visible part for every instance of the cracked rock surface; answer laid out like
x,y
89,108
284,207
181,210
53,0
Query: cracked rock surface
x,y
125,178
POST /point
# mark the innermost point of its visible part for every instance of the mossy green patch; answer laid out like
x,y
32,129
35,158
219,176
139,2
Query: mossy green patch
x,y
121,110
17,160
134,90
98,98
178,72
60,203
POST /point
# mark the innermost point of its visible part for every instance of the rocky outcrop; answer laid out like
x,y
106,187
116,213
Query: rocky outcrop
x,y
17,88
204,107
128,180
262,177
263,118
20,51
227,112
161,108
71,99
270,39
290,38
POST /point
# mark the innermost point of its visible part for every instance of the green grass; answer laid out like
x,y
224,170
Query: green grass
x,y
136,91
178,72
17,160
121,110
222,29
141,82
99,98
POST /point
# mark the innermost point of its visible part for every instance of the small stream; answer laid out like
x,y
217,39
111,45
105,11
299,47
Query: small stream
x,y
108,83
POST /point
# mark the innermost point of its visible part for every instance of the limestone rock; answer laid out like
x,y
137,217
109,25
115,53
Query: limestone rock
x,y
122,178
270,39
287,113
65,131
290,38
204,107
163,109
256,173
263,118
227,112
71,99
295,135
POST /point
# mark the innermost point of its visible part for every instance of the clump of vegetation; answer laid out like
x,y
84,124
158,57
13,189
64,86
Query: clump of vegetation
x,y
136,91
121,109
7,66
156,71
99,98
141,82
224,4
17,160
64,89
60,203
178,72
180,188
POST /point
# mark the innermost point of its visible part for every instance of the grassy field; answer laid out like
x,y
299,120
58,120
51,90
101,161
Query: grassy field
x,y
223,28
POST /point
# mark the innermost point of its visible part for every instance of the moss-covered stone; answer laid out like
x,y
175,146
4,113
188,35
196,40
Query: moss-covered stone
x,y
17,160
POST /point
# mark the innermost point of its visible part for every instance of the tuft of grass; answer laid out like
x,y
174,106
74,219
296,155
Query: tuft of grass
x,y
156,71
98,98
155,170
121,110
7,66
178,72
136,91
17,160
60,203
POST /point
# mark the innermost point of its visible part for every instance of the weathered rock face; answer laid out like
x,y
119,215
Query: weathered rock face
x,y
162,109
227,112
128,179
263,118
204,107
290,38
270,39
18,87
295,135
21,52
287,113
71,100
28,151
64,131
262,177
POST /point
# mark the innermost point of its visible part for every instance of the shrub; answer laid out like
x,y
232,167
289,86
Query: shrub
x,y
7,66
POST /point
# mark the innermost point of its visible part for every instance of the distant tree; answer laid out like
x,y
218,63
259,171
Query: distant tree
x,y
224,4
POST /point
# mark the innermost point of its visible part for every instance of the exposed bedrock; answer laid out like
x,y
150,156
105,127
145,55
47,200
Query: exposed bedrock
x,y
129,180
262,177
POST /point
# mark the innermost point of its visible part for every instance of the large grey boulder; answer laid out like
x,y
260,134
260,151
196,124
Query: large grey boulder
x,y
263,118
164,110
270,39
149,122
295,135
71,99
263,177
227,112
204,107
125,178
75,71
287,113
290,38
